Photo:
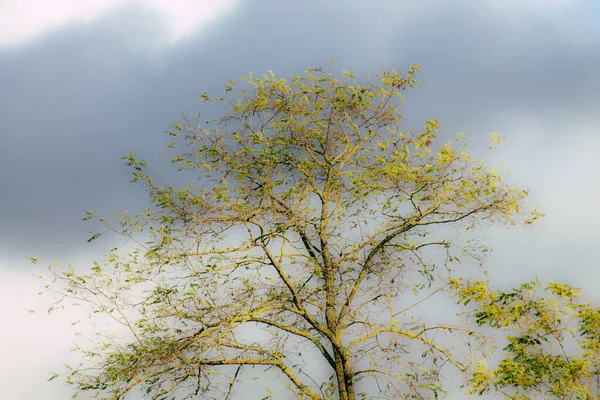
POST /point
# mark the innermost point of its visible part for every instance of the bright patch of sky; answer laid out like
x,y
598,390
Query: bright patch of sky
x,y
21,20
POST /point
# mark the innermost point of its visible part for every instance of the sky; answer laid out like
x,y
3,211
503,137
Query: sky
x,y
84,83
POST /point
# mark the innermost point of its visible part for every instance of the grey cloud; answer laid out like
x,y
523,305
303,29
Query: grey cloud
x,y
79,98
482,68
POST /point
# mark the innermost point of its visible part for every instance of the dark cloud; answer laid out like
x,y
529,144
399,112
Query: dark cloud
x,y
482,67
77,99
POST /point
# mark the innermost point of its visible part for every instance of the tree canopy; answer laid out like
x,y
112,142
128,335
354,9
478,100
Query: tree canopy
x,y
313,227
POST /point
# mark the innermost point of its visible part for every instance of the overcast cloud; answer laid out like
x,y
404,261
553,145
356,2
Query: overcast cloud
x,y
82,87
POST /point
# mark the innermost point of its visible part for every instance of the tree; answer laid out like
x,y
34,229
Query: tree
x,y
317,220
553,348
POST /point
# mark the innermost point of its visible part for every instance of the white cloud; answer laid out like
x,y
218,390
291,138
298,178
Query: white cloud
x,y
558,164
24,19
32,345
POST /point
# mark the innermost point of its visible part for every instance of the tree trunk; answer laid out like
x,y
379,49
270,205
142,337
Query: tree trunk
x,y
343,373
339,372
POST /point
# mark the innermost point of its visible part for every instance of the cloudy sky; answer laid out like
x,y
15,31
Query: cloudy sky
x,y
84,83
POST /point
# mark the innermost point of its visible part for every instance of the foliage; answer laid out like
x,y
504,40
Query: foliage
x,y
318,222
553,341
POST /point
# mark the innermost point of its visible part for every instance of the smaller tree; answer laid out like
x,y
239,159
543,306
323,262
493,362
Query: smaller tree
x,y
553,336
